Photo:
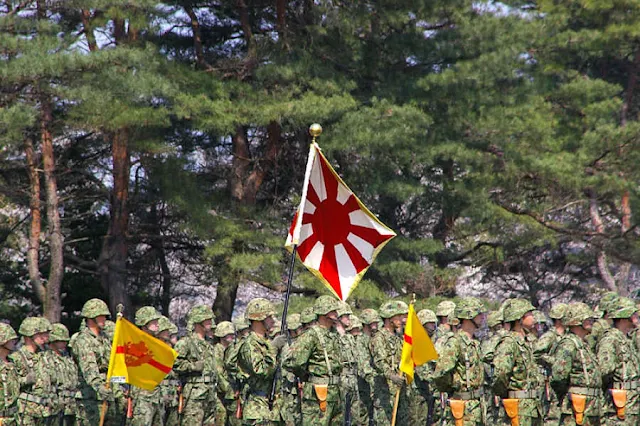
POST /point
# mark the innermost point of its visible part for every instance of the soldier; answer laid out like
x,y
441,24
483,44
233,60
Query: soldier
x,y
308,318
91,350
35,403
444,311
315,358
64,373
608,302
459,370
487,348
226,334
148,408
170,386
543,351
386,349
370,322
237,378
196,369
353,369
291,406
258,360
365,366
9,378
423,393
575,375
620,366
516,377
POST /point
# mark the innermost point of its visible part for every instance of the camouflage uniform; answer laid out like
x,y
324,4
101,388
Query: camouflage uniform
x,y
170,386
460,371
315,358
487,349
575,370
422,392
37,395
226,393
9,381
148,408
91,353
446,308
290,407
516,374
237,378
607,302
368,317
620,366
64,376
386,350
258,360
196,368
544,352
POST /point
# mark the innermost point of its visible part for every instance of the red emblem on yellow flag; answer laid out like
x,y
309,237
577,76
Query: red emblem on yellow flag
x,y
138,358
417,348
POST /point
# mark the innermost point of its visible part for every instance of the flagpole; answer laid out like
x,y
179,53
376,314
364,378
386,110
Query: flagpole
x,y
397,399
103,410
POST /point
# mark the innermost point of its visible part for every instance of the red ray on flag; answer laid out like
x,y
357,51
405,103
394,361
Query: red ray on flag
x,y
337,237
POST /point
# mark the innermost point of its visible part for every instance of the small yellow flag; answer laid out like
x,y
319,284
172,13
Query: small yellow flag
x,y
417,347
138,358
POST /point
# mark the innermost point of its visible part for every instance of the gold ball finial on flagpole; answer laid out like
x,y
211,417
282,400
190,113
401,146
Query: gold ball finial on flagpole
x,y
315,130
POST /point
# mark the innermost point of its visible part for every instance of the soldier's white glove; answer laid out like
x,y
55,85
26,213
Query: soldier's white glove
x,y
396,379
279,341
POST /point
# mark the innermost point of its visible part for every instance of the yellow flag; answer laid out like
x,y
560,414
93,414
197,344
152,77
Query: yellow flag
x,y
417,347
138,358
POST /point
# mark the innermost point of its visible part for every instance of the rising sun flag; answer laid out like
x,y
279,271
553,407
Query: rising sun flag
x,y
336,237
417,347
138,358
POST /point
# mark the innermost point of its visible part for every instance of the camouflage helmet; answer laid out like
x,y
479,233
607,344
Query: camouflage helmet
x,y
293,321
608,301
576,313
93,308
224,328
625,309
259,309
515,309
241,323
427,315
34,325
557,311
369,316
307,315
540,317
7,333
59,333
165,324
145,315
469,308
355,322
325,304
445,308
494,318
392,308
344,309
200,313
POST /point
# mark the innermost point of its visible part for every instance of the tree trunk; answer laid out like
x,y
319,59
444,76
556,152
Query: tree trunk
x,y
113,258
281,19
35,228
157,243
226,293
53,305
197,37
625,268
601,257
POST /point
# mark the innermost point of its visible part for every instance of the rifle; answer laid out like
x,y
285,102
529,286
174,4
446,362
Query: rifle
x,y
347,409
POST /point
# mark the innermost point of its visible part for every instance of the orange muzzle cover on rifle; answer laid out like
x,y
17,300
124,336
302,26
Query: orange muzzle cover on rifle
x,y
511,408
619,397
321,393
578,402
457,410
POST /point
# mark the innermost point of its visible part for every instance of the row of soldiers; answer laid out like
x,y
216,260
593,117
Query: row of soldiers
x,y
333,367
